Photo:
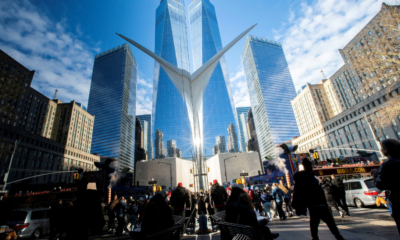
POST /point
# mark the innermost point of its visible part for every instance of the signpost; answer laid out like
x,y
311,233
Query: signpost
x,y
244,174
152,182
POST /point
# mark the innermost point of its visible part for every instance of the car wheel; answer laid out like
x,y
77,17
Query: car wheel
x,y
358,203
37,233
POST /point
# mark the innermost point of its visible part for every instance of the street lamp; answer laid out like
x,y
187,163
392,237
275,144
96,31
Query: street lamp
x,y
226,177
372,130
170,170
9,164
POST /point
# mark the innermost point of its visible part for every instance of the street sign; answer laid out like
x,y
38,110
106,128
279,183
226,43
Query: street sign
x,y
152,182
244,174
3,191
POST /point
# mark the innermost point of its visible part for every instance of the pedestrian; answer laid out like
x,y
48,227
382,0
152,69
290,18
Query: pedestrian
x,y
120,210
57,216
277,193
386,178
202,210
157,216
133,212
111,214
326,186
339,194
180,200
287,194
240,210
218,197
166,194
309,194
210,210
266,203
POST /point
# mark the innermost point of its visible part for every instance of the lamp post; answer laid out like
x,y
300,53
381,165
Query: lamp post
x,y
10,164
372,130
170,170
226,177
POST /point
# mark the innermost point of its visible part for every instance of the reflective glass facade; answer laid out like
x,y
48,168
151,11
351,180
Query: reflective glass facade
x,y
169,112
270,88
145,120
218,106
112,100
244,133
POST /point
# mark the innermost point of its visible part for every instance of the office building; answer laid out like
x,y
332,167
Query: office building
x,y
220,145
233,145
145,121
252,143
112,100
140,152
243,131
270,89
26,120
159,146
169,113
218,106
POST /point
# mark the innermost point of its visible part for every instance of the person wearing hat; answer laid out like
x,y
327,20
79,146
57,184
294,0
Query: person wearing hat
x,y
218,197
180,200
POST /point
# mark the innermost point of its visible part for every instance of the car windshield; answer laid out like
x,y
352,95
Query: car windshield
x,y
370,183
17,216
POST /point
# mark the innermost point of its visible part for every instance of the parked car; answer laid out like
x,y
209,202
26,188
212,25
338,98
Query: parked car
x,y
30,223
361,192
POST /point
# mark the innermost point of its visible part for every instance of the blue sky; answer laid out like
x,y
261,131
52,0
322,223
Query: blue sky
x,y
59,39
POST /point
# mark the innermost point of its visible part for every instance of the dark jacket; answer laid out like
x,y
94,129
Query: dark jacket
x,y
207,200
326,186
156,219
180,199
388,177
241,214
277,193
307,192
266,197
218,195
120,208
201,208
337,186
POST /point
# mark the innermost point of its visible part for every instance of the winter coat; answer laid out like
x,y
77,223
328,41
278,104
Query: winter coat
x,y
337,186
180,199
266,197
387,177
218,195
201,208
209,209
241,214
307,192
120,209
326,186
277,193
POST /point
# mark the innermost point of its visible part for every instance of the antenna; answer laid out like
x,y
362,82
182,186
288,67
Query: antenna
x,y
323,75
55,94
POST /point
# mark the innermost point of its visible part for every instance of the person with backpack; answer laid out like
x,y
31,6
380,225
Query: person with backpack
x,y
218,197
308,194
266,203
133,212
180,200
339,193
277,194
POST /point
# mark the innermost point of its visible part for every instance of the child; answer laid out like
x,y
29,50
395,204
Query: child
x,y
202,217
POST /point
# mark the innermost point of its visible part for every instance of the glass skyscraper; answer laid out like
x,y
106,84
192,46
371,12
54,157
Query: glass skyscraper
x,y
244,133
270,88
145,120
112,100
218,106
169,113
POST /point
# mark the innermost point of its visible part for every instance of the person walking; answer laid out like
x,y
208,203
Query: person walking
x,y
386,178
287,194
57,216
326,186
210,210
266,203
202,210
133,212
277,193
218,197
120,209
180,200
309,194
111,214
339,193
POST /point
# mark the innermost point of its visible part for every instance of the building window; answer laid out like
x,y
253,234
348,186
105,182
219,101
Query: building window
x,y
361,134
348,138
398,135
366,132
341,152
365,145
371,144
345,151
356,146
394,122
354,138
387,136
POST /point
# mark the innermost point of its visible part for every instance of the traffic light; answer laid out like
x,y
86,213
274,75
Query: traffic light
x,y
288,150
76,176
316,155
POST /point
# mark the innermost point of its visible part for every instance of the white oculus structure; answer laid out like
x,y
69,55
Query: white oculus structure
x,y
191,88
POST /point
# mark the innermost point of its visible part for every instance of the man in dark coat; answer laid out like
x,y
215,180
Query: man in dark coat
x,y
180,200
387,177
327,187
57,215
308,193
120,210
339,193
218,197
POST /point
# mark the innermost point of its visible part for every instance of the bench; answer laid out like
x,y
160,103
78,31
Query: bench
x,y
240,237
230,230
220,216
172,233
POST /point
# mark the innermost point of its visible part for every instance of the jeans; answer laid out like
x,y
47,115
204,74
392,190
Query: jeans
x,y
267,207
318,213
121,224
133,219
203,223
279,205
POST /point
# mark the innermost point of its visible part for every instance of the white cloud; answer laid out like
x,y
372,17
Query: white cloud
x,y
312,38
239,88
144,96
60,59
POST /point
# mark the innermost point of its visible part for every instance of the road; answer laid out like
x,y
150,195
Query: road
x,y
364,223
